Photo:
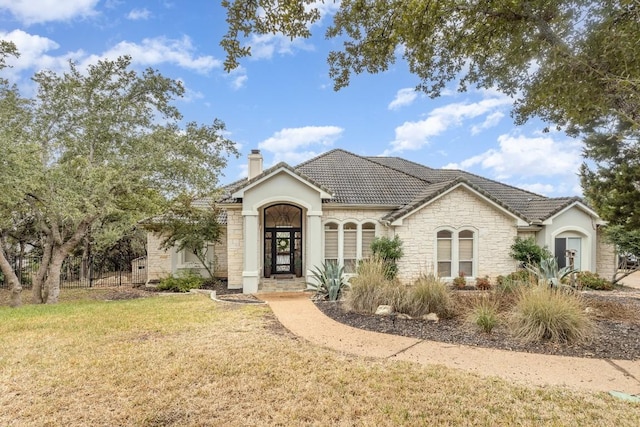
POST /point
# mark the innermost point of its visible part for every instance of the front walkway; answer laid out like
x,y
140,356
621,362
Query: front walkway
x,y
298,314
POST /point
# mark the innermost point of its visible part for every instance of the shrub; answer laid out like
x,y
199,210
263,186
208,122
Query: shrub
x,y
371,287
543,313
429,295
514,281
183,282
590,280
485,314
390,251
527,251
329,281
460,282
483,283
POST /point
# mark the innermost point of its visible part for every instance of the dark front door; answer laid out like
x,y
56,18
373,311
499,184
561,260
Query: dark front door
x,y
283,240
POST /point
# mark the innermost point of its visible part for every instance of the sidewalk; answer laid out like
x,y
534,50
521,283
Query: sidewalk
x,y
298,314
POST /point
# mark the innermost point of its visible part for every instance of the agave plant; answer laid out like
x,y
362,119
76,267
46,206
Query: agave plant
x,y
329,281
548,272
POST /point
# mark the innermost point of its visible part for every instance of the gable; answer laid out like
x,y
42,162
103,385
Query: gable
x,y
282,186
464,197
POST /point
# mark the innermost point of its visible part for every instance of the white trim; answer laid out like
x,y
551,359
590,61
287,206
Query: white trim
x,y
280,200
520,221
240,193
340,230
585,245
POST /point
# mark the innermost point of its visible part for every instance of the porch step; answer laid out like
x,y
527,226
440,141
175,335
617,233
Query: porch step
x,y
282,284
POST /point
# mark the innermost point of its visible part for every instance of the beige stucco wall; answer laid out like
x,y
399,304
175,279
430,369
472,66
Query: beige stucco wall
x,y
458,209
606,262
159,262
573,222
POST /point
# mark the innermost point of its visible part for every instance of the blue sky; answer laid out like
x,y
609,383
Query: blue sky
x,y
282,101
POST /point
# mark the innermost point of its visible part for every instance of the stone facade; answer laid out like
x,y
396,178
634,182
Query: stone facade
x,y
235,247
606,262
459,209
159,261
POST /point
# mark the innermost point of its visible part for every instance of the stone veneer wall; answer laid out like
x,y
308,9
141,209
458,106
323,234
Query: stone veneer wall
x,y
220,253
358,215
457,209
158,260
235,247
606,262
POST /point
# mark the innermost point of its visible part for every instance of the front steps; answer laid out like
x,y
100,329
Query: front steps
x,y
283,283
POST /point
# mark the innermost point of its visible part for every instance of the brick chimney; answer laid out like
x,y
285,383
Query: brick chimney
x,y
255,163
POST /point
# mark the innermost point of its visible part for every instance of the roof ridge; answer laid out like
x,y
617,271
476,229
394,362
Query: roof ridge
x,y
467,173
370,159
326,153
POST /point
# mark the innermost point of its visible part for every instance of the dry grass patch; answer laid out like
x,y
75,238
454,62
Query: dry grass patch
x,y
187,361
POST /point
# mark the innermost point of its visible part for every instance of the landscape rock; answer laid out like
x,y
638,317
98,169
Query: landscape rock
x,y
431,317
384,310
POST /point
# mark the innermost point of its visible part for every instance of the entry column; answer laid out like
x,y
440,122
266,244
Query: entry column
x,y
314,256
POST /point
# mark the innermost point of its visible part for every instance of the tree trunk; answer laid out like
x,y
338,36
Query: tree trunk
x,y
14,284
39,291
52,282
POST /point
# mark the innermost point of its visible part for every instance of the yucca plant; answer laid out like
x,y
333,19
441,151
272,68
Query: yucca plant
x,y
329,281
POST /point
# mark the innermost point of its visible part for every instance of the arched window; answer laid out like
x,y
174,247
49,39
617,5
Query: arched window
x,y
456,253
350,256
331,242
444,252
368,236
465,252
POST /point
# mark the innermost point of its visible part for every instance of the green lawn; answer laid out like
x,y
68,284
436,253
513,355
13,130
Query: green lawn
x,y
186,360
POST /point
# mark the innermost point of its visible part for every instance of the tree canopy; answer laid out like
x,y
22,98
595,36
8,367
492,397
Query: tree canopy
x,y
569,62
103,145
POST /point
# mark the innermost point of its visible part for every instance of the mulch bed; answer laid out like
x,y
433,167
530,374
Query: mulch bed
x,y
617,335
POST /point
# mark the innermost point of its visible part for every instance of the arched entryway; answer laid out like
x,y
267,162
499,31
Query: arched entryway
x,y
283,240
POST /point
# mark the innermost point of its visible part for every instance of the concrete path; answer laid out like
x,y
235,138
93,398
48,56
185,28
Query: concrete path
x,y
298,314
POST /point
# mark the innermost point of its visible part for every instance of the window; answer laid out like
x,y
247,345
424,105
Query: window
x,y
564,244
465,252
368,236
350,245
331,242
455,253
444,253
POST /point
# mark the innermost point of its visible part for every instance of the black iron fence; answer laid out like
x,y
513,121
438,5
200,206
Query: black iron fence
x,y
83,272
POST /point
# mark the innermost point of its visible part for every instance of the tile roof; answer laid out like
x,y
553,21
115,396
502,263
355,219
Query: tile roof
x,y
405,185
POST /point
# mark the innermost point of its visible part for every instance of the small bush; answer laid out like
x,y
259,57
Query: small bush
x,y
590,280
460,282
485,314
429,295
183,282
527,251
483,283
543,313
390,251
512,282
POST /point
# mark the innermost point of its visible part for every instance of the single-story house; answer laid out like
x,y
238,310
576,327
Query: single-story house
x,y
284,221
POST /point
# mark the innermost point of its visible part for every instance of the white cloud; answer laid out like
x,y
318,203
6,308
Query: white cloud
x,y
288,140
403,98
490,121
39,11
519,157
159,50
139,14
414,135
150,52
